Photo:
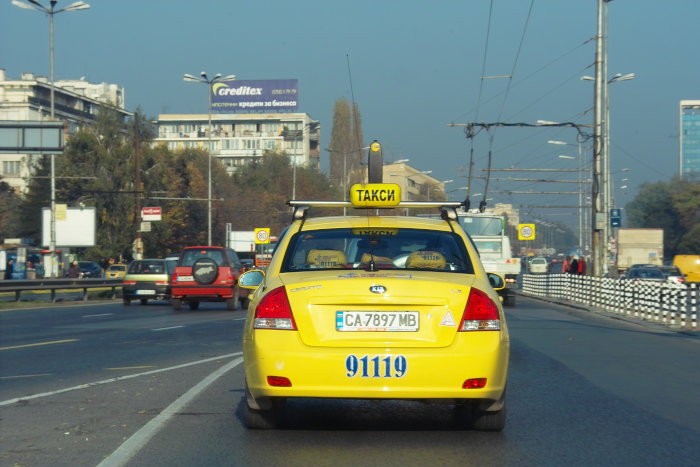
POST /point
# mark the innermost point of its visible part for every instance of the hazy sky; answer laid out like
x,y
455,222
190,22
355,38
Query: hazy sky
x,y
416,67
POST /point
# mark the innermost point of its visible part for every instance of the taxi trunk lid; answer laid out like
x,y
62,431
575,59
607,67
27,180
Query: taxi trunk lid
x,y
378,309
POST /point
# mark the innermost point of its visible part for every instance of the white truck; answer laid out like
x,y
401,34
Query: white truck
x,y
488,231
639,246
242,241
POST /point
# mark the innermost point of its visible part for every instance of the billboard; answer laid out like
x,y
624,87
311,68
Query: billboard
x,y
75,229
270,95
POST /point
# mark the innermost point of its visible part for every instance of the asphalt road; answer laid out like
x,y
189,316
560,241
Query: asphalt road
x,y
143,385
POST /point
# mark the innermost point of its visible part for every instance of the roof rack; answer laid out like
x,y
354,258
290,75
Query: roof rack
x,y
448,208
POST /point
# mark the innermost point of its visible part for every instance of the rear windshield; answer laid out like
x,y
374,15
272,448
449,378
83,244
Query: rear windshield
x,y
146,266
190,256
373,249
644,273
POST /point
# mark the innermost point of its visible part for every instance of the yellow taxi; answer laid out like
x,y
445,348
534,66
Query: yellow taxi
x,y
372,306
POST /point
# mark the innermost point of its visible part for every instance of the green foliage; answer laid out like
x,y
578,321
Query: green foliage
x,y
673,206
9,211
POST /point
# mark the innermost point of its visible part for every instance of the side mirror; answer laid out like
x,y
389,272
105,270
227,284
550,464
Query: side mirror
x,y
251,279
497,281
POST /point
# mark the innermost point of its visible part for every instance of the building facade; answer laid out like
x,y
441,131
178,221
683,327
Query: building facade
x,y
416,185
238,139
28,99
690,139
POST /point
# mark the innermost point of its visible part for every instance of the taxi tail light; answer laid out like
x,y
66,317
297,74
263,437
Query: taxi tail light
x,y
480,314
275,312
474,383
279,381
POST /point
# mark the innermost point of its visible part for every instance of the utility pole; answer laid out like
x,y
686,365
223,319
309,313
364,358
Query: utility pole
x,y
138,243
599,215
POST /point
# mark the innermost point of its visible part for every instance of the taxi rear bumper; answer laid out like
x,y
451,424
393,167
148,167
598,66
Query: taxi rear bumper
x,y
436,374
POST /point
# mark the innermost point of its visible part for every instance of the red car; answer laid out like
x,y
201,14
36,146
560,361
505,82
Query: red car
x,y
207,274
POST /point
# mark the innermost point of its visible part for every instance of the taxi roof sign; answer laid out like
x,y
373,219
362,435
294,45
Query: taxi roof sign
x,y
375,195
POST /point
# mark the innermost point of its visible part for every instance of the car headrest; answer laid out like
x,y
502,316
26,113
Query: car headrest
x,y
326,258
426,259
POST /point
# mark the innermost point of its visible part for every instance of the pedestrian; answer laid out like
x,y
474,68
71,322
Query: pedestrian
x,y
8,268
582,266
74,270
573,267
565,265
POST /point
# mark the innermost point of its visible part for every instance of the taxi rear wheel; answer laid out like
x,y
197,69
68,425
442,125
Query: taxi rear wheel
x,y
490,421
260,419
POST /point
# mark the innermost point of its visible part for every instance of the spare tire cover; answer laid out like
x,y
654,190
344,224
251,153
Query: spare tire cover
x,y
204,271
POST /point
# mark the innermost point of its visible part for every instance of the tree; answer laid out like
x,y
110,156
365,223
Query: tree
x,y
9,211
672,206
346,145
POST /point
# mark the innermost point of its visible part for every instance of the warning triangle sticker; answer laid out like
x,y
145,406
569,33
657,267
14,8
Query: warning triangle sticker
x,y
448,320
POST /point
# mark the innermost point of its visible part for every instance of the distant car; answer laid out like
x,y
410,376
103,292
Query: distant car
x,y
90,270
673,274
147,279
116,271
538,265
645,274
207,274
248,264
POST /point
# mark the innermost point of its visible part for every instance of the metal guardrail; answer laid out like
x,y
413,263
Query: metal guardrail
x,y
53,285
665,303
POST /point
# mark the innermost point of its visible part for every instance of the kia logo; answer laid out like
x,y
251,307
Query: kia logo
x,y
377,289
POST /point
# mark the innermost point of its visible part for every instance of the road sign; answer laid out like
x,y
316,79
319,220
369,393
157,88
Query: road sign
x,y
262,235
151,214
526,231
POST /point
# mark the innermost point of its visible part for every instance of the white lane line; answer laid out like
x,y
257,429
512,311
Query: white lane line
x,y
238,319
114,380
165,329
138,440
97,316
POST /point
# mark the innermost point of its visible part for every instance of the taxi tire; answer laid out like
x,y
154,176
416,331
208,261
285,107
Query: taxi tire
x,y
260,419
177,304
490,421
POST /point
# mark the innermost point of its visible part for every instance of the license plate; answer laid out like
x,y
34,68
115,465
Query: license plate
x,y
145,292
184,278
377,321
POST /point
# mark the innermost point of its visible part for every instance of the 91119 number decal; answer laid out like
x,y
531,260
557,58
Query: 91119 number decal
x,y
376,366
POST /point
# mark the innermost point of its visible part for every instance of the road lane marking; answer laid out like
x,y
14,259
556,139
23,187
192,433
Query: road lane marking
x,y
130,367
165,329
37,344
96,316
115,379
138,440
26,376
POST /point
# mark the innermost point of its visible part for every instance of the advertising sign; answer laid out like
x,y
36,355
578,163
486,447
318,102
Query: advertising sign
x,y
77,229
246,95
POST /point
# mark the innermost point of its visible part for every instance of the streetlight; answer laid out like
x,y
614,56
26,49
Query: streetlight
x,y
35,5
204,79
607,196
580,185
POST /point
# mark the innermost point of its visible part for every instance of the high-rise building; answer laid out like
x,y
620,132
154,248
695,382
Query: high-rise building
x,y
28,99
238,139
690,139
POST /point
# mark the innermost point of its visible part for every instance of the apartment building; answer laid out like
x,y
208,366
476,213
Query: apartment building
x,y
236,139
28,99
